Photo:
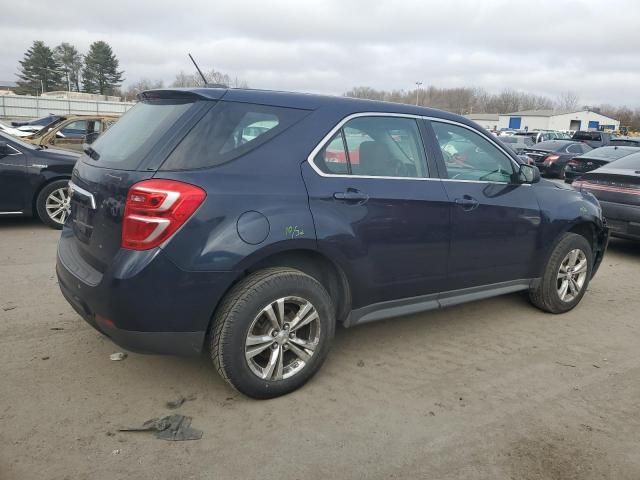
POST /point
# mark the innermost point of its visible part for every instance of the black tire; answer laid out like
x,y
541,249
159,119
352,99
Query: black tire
x,y
238,313
545,295
41,201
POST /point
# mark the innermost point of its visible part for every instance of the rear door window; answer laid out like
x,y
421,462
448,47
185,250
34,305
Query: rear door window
x,y
376,146
229,130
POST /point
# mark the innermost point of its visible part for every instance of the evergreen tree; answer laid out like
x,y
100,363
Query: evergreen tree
x,y
70,61
39,71
100,74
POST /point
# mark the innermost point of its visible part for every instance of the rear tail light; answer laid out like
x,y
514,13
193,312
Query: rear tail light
x,y
155,209
551,158
573,162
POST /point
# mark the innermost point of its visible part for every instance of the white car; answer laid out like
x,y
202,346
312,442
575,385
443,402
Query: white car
x,y
13,131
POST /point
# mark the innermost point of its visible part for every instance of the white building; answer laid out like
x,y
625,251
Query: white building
x,y
486,120
557,120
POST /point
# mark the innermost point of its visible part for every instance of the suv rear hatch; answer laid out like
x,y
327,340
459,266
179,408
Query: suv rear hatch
x,y
129,152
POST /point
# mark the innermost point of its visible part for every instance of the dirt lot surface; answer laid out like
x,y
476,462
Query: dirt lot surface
x,y
492,390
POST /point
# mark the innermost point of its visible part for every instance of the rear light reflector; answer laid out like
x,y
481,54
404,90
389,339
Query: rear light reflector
x,y
550,159
155,209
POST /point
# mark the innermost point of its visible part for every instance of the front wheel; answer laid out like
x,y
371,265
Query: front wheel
x,y
566,275
272,332
54,204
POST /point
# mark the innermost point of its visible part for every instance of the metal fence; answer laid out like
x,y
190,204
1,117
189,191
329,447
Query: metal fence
x,y
23,106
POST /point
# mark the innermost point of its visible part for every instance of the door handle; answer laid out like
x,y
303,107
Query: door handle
x,y
351,195
467,202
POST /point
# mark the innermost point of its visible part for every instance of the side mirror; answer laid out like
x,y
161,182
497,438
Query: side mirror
x,y
529,174
89,138
4,149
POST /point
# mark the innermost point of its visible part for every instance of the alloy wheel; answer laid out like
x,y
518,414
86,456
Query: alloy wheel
x,y
572,275
58,205
282,338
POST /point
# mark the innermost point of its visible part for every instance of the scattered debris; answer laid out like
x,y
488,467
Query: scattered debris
x,y
56,328
589,428
9,307
432,414
116,452
173,404
360,363
110,434
597,366
116,357
172,428
44,358
566,364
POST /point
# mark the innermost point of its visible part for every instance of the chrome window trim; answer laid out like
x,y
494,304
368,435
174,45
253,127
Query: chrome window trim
x,y
327,138
17,152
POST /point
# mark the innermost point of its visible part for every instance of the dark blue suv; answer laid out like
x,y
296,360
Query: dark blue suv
x,y
248,223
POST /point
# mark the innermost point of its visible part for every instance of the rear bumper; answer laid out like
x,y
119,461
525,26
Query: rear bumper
x,y
152,308
623,220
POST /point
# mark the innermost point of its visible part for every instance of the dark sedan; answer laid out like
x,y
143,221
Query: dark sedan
x,y
596,158
617,187
33,181
552,156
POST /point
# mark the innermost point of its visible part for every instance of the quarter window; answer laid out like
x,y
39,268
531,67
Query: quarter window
x,y
469,156
228,131
375,147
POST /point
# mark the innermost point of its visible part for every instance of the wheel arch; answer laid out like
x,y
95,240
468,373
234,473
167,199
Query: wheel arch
x,y
309,261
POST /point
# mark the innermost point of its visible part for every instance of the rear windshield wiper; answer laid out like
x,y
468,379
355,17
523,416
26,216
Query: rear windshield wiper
x,y
91,152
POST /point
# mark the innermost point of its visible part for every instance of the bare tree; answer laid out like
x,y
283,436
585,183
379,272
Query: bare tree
x,y
213,77
140,86
567,101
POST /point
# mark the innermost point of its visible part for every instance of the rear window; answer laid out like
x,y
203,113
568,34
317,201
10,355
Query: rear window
x,y
125,145
587,136
611,153
630,161
551,145
228,131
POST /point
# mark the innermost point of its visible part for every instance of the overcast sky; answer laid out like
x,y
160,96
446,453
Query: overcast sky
x,y
329,46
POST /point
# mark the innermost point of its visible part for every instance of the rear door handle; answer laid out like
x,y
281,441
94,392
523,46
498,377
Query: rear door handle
x,y
467,202
351,195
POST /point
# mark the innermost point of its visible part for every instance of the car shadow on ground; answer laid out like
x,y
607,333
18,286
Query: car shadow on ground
x,y
627,247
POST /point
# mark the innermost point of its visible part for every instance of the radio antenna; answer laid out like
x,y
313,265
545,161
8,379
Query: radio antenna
x,y
204,79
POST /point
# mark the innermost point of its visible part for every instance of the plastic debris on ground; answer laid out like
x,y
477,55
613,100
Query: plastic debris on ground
x,y
174,428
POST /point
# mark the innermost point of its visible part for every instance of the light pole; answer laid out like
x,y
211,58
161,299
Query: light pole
x,y
418,91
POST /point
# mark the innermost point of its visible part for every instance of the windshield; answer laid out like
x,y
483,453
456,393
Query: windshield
x,y
126,144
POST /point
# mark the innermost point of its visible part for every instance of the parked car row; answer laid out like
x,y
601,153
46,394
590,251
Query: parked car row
x,y
67,132
34,181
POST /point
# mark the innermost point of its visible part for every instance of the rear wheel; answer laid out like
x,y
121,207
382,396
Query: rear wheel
x,y
53,204
566,276
272,332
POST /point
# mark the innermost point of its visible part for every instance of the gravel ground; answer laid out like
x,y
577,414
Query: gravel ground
x,y
492,390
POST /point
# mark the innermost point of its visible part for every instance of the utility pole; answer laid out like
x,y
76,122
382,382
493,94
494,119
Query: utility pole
x,y
418,91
